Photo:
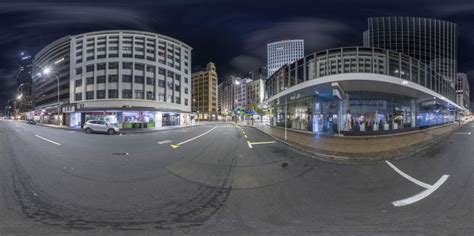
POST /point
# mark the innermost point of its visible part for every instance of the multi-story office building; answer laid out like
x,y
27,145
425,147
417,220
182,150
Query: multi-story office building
x,y
432,41
282,53
205,93
255,92
233,96
23,93
359,90
462,91
226,96
47,96
133,78
240,94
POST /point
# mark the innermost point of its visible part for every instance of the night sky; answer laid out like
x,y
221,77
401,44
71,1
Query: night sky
x,y
233,34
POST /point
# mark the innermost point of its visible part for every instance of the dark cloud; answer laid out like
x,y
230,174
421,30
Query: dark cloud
x,y
231,33
245,63
317,33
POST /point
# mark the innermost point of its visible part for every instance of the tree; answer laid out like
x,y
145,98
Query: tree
x,y
252,107
261,113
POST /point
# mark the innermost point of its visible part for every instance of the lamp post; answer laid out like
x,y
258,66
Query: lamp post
x,y
47,71
20,98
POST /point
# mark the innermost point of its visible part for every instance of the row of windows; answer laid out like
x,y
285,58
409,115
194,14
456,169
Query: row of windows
x,y
129,66
128,79
161,61
129,94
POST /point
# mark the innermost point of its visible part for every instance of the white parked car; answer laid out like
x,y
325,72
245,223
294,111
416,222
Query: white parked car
x,y
99,126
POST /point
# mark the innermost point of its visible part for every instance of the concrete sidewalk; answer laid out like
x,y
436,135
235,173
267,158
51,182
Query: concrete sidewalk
x,y
366,148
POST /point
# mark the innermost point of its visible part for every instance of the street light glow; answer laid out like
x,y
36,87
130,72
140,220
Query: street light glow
x,y
19,96
46,70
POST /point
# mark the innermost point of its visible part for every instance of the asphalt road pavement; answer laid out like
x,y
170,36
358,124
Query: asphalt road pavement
x,y
223,179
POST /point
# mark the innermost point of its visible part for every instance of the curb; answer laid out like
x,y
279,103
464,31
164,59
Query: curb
x,y
419,148
54,127
159,130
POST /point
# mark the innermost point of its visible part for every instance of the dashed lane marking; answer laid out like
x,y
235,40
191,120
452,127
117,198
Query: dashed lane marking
x,y
250,145
429,189
257,143
467,133
45,139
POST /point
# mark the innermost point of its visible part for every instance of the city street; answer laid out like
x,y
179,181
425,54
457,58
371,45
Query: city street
x,y
223,179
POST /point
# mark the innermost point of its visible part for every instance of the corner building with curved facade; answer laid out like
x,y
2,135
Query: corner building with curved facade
x,y
133,78
359,91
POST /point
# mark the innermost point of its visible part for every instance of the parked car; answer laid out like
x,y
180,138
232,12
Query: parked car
x,y
99,126
31,122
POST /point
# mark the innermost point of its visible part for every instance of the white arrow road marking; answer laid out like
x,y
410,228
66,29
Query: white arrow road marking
x,y
45,139
429,188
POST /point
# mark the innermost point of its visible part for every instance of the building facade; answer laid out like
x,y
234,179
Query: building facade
x,y
240,94
205,93
432,41
233,95
463,92
47,96
282,53
133,78
255,92
23,94
226,95
358,91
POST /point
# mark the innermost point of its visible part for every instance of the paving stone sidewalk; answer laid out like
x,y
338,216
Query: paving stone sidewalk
x,y
368,148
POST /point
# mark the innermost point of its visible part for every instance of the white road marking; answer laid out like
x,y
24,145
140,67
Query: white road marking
x,y
191,139
420,196
417,182
257,143
250,145
45,139
164,141
429,189
467,133
245,135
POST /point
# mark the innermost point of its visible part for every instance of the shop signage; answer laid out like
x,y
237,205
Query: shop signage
x,y
69,109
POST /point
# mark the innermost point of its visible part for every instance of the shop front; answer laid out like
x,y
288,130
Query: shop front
x,y
360,113
130,119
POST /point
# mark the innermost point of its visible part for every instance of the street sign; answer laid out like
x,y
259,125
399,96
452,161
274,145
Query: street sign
x,y
69,109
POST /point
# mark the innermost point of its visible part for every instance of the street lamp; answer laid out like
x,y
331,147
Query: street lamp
x,y
19,97
46,71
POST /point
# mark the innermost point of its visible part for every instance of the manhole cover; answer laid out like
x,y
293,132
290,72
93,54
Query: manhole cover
x,y
120,154
284,164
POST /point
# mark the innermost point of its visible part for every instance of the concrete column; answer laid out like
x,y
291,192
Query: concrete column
x,y
413,112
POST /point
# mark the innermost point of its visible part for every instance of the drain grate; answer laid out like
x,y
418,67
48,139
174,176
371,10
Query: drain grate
x,y
120,154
